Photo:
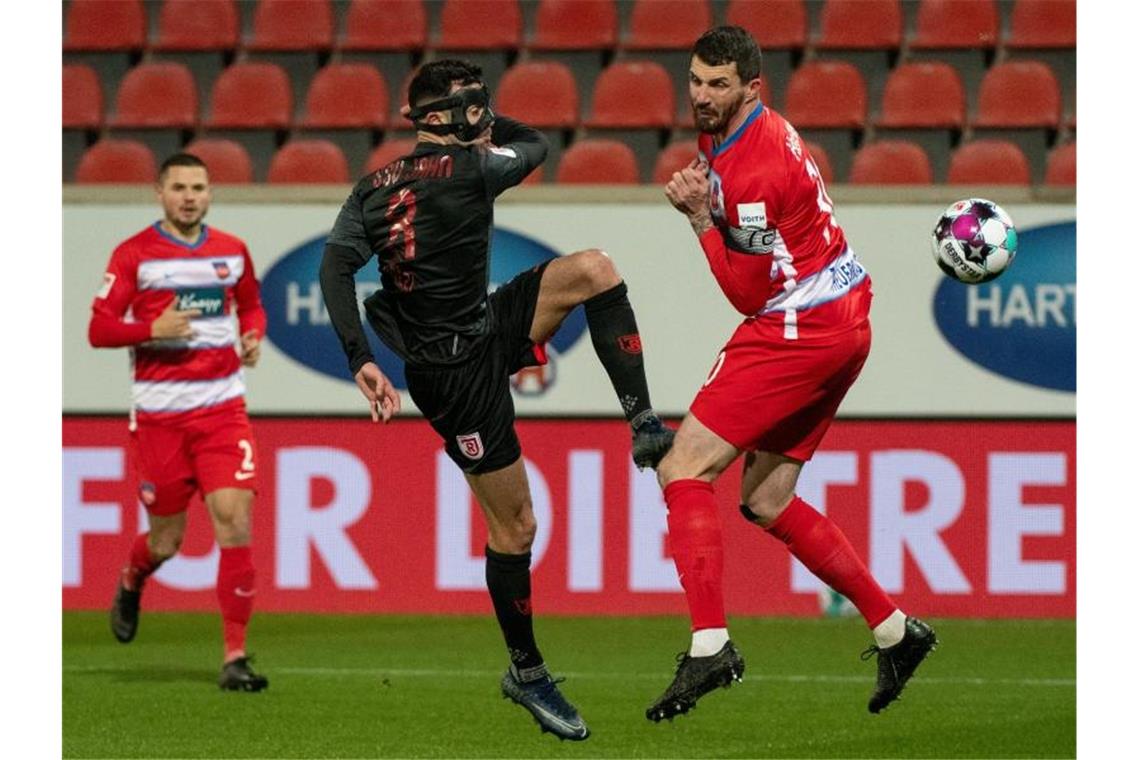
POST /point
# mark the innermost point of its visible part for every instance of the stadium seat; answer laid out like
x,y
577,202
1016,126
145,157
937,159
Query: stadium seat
x,y
387,152
198,25
956,24
302,162
633,94
1019,94
776,24
673,158
667,24
226,161
347,96
540,93
860,25
1043,24
385,25
155,96
251,96
891,162
926,95
105,26
575,25
292,26
82,98
117,161
598,162
480,25
822,161
1061,168
826,94
988,162
535,177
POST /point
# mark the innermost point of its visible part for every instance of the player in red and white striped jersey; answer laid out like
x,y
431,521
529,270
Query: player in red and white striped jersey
x,y
170,294
756,201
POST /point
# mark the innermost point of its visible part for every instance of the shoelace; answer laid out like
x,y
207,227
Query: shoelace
x,y
869,652
549,693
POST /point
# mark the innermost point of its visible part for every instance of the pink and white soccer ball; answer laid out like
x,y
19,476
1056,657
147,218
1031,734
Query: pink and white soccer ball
x,y
974,241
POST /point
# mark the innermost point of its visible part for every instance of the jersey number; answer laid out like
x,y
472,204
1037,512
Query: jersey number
x,y
401,237
823,200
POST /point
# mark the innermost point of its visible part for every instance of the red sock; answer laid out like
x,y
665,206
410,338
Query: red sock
x,y
820,545
698,550
140,565
235,596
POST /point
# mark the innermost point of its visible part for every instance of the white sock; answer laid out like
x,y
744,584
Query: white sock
x,y
708,641
890,631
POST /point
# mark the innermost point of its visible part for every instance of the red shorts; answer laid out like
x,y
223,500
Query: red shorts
x,y
204,453
765,393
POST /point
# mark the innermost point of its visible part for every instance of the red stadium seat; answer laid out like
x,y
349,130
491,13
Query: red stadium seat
x,y
891,162
673,158
308,162
251,96
575,25
157,95
989,162
598,162
860,25
924,95
1019,94
82,98
347,96
822,161
540,93
105,25
292,25
387,152
775,24
956,24
826,94
631,94
385,25
117,161
535,177
198,25
667,24
1062,166
226,161
1043,24
480,25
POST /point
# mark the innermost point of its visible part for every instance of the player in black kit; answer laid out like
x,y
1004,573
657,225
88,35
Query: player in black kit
x,y
428,218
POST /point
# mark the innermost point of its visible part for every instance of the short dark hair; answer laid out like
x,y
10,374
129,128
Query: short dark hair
x,y
180,159
433,80
730,44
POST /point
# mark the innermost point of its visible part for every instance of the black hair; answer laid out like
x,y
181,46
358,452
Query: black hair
x,y
433,80
180,159
730,44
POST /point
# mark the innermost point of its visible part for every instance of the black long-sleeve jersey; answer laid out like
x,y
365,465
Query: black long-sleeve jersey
x,y
427,217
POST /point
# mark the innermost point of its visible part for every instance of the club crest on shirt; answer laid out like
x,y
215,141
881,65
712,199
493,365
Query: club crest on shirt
x,y
147,493
222,269
471,445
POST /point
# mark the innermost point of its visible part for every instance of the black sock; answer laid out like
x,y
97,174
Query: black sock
x,y
613,329
508,580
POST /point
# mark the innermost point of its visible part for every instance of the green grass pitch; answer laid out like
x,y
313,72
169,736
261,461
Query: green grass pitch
x,y
397,686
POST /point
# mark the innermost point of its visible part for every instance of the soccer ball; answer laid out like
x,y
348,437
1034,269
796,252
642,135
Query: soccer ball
x,y
974,241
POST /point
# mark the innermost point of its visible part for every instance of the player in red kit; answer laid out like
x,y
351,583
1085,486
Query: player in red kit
x,y
755,200
169,294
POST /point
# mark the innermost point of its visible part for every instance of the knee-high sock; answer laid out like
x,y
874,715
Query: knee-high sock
x,y
236,578
140,565
613,330
698,550
820,545
508,580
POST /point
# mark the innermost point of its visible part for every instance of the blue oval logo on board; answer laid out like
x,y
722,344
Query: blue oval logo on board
x,y
299,324
1023,324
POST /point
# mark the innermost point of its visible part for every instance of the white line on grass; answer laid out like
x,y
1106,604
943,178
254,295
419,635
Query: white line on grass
x,y
460,673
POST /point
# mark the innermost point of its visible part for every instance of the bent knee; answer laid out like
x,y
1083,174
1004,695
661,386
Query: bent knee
x,y
765,508
163,548
598,270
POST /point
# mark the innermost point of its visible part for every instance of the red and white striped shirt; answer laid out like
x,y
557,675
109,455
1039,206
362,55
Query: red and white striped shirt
x,y
179,377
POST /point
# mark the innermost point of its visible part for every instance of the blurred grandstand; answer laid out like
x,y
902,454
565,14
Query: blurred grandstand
x,y
308,91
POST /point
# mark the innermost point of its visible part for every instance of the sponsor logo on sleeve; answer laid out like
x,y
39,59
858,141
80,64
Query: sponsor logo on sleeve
x,y
108,283
752,215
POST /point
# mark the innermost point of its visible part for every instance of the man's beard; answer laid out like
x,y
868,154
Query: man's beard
x,y
711,122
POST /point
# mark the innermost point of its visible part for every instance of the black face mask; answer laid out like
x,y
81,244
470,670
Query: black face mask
x,y
457,103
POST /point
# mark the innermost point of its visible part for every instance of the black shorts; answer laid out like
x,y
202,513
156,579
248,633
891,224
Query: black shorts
x,y
470,404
